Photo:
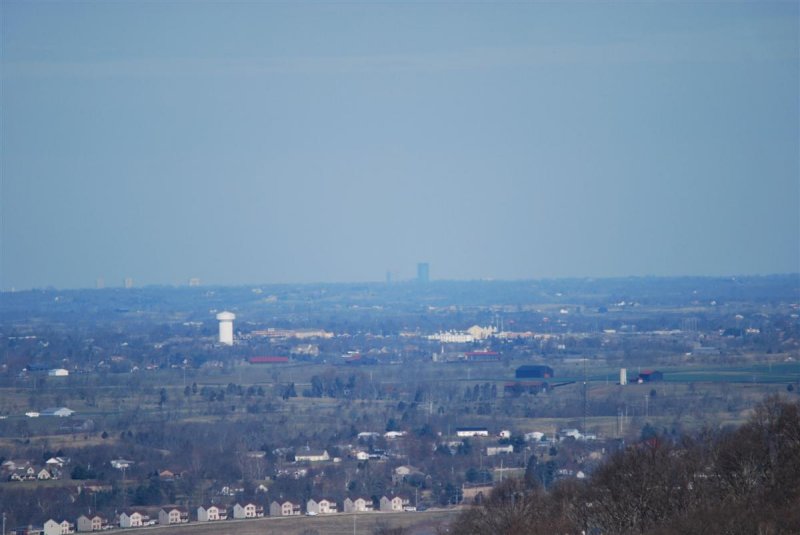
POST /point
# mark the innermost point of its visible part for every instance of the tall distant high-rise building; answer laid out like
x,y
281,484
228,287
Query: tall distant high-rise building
x,y
100,283
194,281
423,272
128,283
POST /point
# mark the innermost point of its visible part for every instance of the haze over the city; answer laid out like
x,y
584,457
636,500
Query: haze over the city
x,y
253,143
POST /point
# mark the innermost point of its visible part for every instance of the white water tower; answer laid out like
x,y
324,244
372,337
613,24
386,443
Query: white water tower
x,y
226,327
623,376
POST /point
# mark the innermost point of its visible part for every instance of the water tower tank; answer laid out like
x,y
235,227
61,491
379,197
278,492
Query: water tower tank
x,y
226,327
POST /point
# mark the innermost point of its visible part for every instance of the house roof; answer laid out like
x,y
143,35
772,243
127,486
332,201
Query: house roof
x,y
130,512
218,506
311,453
54,410
180,508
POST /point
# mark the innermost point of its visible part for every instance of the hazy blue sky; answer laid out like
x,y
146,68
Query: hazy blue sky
x,y
258,142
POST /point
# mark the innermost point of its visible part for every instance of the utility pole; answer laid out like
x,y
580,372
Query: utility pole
x,y
124,489
584,395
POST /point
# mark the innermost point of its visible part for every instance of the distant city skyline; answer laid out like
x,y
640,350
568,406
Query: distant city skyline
x,y
257,143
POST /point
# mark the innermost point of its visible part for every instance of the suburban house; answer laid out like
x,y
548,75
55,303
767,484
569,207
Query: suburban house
x,y
497,450
211,513
133,519
358,505
464,432
14,464
535,436
61,412
401,473
285,508
173,514
361,455
321,506
43,474
393,503
56,462
92,523
53,527
570,433
19,475
248,510
311,455
404,470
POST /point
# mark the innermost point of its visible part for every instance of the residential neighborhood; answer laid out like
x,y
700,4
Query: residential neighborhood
x,y
160,422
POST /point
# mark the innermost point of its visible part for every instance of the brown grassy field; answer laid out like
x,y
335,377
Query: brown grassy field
x,y
419,523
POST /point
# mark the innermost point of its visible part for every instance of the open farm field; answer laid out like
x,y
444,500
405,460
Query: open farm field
x,y
757,373
416,523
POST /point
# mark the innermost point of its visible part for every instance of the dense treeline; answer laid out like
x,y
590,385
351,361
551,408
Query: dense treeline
x,y
745,480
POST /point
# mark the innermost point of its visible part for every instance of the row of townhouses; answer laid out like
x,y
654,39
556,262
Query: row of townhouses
x,y
140,517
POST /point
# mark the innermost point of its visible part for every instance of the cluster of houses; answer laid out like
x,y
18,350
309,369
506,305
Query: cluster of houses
x,y
25,471
356,504
174,514
59,412
170,515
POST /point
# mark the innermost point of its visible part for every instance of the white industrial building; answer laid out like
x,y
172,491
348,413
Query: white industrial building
x,y
452,337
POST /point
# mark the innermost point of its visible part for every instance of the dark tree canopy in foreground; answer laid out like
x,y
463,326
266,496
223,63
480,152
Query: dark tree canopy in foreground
x,y
726,482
